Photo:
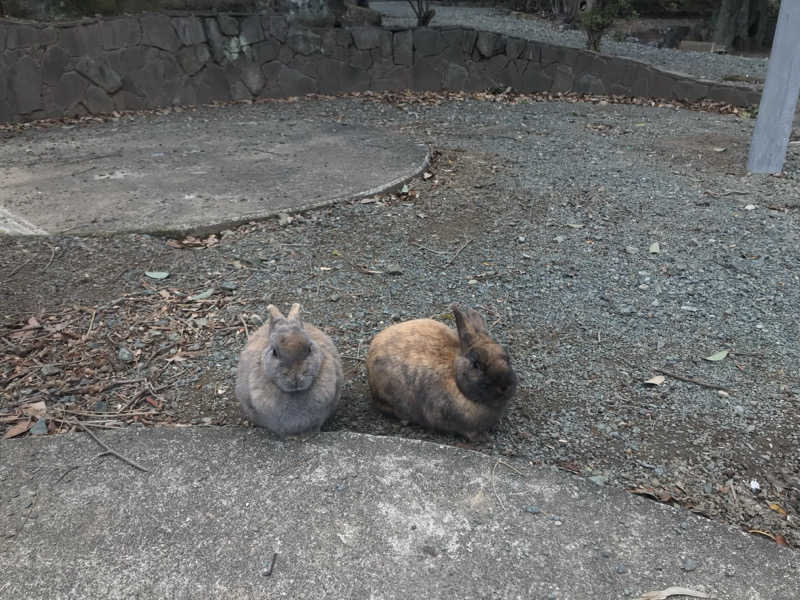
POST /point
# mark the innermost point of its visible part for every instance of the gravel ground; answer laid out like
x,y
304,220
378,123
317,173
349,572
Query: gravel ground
x,y
542,215
699,64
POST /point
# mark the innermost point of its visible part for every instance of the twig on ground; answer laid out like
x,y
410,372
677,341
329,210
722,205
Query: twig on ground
x,y
246,330
705,384
91,324
439,252
494,489
108,449
452,258
508,466
351,357
52,256
269,569
17,270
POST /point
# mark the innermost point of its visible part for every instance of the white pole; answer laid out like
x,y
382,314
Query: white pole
x,y
779,99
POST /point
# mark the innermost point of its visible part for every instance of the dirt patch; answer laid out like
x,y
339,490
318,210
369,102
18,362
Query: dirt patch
x,y
557,257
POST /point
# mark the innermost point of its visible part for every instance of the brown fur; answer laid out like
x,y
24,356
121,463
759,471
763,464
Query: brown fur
x,y
423,371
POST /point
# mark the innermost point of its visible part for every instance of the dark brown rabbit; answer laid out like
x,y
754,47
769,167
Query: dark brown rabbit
x,y
422,371
290,375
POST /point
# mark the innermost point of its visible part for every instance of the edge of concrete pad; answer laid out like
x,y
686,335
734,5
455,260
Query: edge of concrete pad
x,y
348,515
194,229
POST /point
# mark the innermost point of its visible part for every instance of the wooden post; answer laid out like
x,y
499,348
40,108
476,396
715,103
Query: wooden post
x,y
779,99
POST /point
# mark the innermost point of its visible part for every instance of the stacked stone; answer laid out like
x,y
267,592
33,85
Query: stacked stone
x,y
155,60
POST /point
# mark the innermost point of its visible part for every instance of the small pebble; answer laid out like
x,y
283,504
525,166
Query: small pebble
x,y
631,249
39,428
334,298
49,370
685,525
689,564
125,355
621,569
534,510
284,219
394,269
229,285
626,310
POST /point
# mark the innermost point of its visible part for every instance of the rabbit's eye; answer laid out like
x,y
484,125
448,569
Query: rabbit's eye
x,y
275,352
476,364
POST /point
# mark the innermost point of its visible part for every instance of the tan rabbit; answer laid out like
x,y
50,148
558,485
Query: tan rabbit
x,y
290,375
422,371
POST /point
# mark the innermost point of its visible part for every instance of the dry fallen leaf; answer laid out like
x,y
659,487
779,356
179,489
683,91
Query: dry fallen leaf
x,y
18,429
36,409
777,508
657,380
717,356
672,591
781,541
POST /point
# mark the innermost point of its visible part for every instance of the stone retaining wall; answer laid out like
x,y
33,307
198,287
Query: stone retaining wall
x,y
132,62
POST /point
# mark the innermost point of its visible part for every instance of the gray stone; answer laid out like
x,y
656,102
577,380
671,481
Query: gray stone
x,y
689,564
126,100
125,355
161,79
344,37
428,73
211,84
25,85
70,90
81,40
193,58
563,78
39,428
127,60
427,42
691,91
216,40
361,59
590,84
336,77
54,63
304,41
21,36
455,78
157,31
100,74
50,370
120,33
403,42
265,51
285,81
387,76
190,30
470,39
228,25
515,47
490,44
252,31
331,47
276,26
97,101
252,77
366,38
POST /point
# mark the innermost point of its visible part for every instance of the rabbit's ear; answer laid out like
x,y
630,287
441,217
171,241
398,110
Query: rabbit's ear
x,y
274,314
470,325
294,312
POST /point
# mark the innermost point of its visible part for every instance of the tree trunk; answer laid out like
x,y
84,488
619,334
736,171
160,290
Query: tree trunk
x,y
726,26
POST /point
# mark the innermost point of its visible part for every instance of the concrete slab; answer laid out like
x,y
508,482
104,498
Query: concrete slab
x,y
192,172
346,516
